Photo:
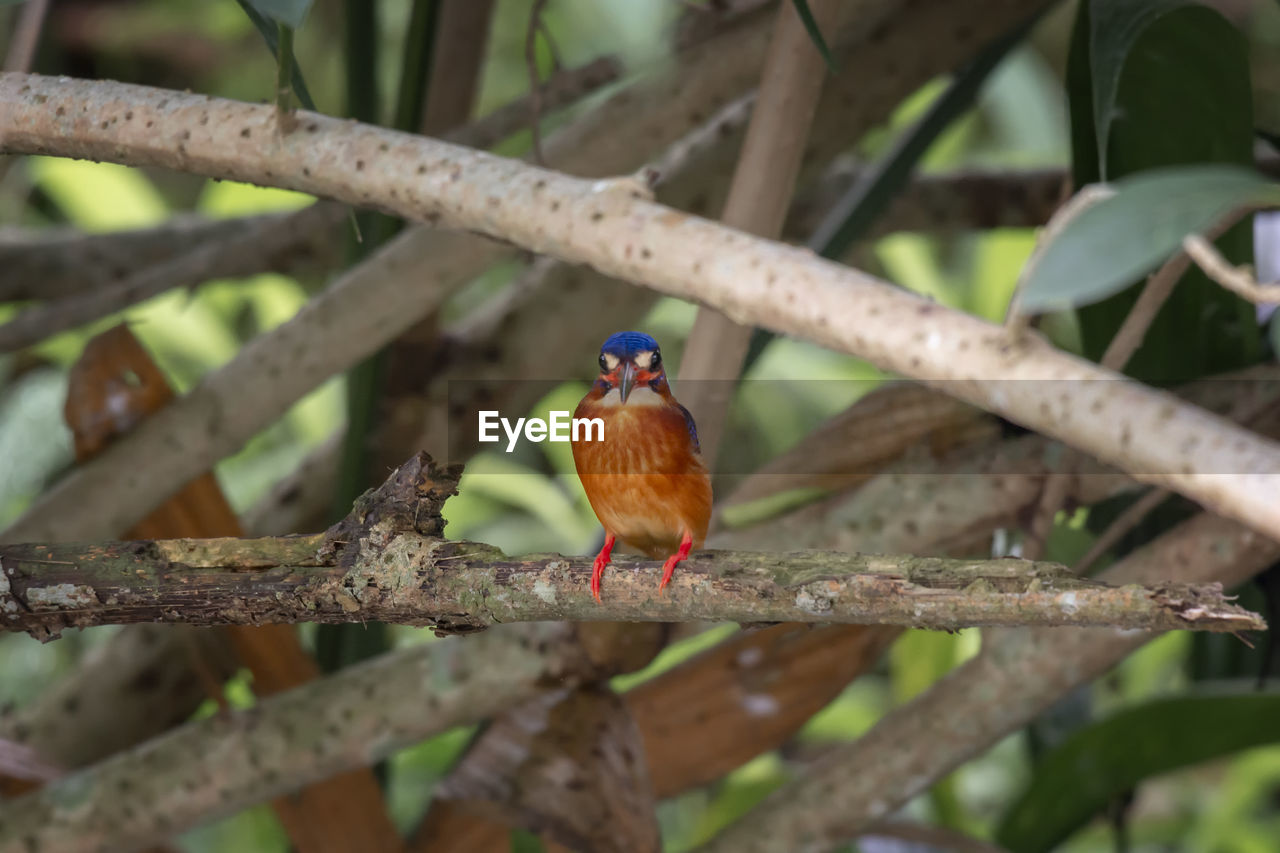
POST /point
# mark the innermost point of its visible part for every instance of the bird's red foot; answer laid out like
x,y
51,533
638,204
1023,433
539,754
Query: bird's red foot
x,y
602,560
686,545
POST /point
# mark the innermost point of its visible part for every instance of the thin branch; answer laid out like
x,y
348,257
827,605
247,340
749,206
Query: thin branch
x,y
280,236
1238,280
853,787
563,88
61,263
1086,198
1118,528
221,765
535,81
384,562
968,199
1159,287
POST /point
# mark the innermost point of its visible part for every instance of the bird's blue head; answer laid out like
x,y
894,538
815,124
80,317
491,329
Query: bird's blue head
x,y
628,359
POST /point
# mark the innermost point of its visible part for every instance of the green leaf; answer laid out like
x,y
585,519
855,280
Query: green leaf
x,y
1089,769
270,34
1114,29
1128,235
291,13
811,26
1184,98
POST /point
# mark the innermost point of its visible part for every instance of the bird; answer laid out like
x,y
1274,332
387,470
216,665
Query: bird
x,y
644,476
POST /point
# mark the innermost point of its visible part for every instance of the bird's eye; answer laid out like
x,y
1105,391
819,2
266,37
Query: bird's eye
x,y
656,361
604,364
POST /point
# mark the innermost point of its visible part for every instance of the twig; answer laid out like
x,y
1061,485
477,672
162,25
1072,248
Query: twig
x,y
764,180
955,719
1116,531
1238,280
1087,197
1128,338
535,82
380,564
279,237
564,87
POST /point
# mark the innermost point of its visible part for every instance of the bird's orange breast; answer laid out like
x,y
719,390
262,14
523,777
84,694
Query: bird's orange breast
x,y
645,481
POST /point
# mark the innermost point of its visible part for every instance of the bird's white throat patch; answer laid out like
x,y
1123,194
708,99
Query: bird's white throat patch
x,y
640,396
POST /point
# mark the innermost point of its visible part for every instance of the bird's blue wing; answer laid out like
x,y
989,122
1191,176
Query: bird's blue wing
x,y
693,428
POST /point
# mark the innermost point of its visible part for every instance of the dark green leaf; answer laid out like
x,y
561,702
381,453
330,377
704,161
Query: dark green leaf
x,y
270,34
1121,238
811,26
291,13
1089,769
1114,29
1184,98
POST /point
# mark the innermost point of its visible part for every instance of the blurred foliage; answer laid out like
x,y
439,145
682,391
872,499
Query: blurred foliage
x,y
530,500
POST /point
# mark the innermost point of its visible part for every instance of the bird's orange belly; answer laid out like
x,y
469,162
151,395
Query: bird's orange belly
x,y
650,512
644,483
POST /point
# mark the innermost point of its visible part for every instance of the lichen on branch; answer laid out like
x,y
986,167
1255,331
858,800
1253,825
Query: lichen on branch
x,y
387,561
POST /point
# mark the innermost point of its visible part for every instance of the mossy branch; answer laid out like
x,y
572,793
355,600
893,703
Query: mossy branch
x,y
387,561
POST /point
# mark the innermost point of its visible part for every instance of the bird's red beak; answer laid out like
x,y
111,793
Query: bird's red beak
x,y
626,380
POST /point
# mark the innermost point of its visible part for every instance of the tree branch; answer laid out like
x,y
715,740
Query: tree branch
x,y
957,719
753,280
385,562
277,237
220,765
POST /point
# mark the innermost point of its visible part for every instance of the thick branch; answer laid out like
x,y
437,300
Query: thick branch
x,y
222,764
601,223
385,562
421,580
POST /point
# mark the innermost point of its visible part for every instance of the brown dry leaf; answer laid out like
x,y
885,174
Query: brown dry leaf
x,y
746,696
113,387
568,765
702,719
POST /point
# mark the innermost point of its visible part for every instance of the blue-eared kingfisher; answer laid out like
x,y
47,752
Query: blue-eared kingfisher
x,y
644,478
